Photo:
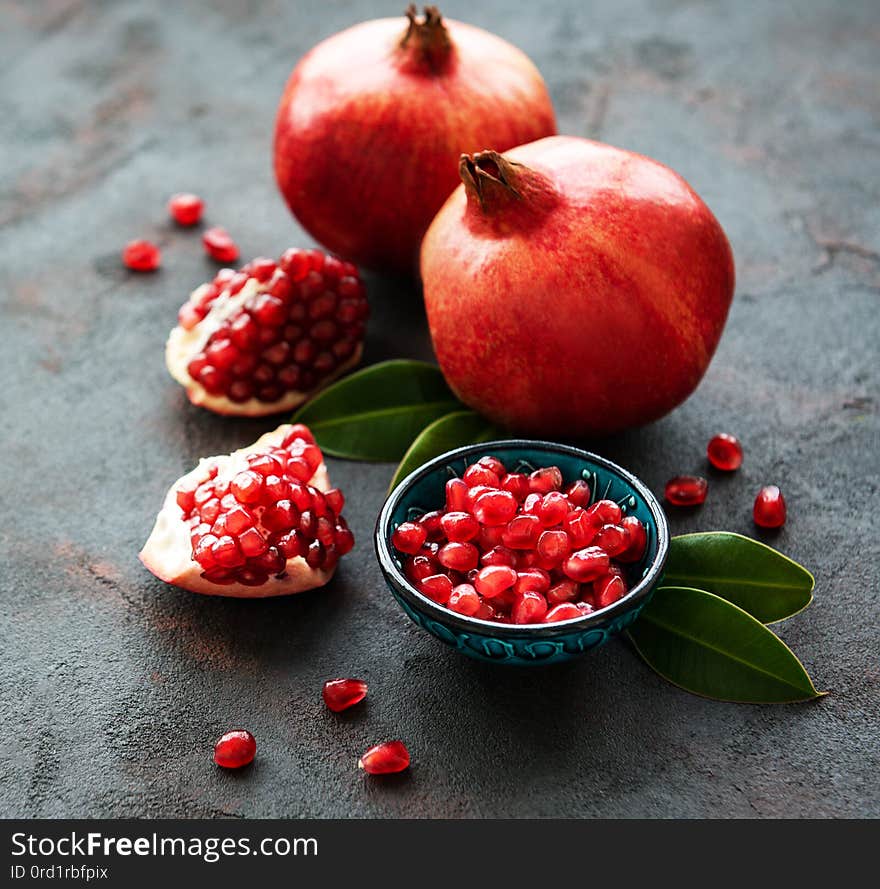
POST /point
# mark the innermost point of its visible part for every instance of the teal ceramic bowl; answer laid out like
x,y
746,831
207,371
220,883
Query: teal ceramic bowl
x,y
424,490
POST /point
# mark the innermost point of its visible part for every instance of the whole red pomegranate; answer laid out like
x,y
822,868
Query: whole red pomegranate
x,y
573,288
373,120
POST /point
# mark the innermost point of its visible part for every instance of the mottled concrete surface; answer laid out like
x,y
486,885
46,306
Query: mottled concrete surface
x,y
114,686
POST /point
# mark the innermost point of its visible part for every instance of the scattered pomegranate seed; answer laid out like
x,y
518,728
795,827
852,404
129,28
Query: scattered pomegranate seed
x,y
514,548
235,749
141,256
385,759
185,208
219,245
769,510
340,694
686,490
725,452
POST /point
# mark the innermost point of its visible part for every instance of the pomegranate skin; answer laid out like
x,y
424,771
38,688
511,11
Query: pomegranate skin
x,y
369,132
583,295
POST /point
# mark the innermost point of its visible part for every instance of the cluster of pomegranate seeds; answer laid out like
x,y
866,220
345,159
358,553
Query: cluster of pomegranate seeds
x,y
244,529
340,694
219,245
306,318
385,759
185,208
769,510
141,256
520,548
686,490
725,452
235,749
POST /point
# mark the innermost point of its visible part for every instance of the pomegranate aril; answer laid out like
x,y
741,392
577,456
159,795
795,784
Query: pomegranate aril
x,y
563,611
499,555
252,543
686,490
614,539
492,580
464,599
605,512
638,540
608,590
553,509
340,694
456,495
430,521
335,500
209,511
458,556
586,564
227,553
480,475
185,208
522,532
315,554
580,528
308,524
517,484
532,579
344,540
494,508
494,465
418,567
725,452
769,510
141,256
219,245
186,498
385,759
459,527
543,481
563,591
247,486
203,551
578,493
266,465
554,546
235,749
238,519
409,537
437,587
529,608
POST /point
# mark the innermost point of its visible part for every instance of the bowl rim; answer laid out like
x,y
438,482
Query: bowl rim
x,y
381,541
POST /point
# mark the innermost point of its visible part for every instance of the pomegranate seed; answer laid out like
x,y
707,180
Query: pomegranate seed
x,y
586,564
219,246
499,555
492,580
252,543
409,537
564,591
493,464
608,590
517,484
235,749
480,475
578,493
419,567
495,508
490,537
335,500
459,527
141,256
686,490
226,552
464,599
543,481
456,495
725,452
530,608
430,521
458,556
769,510
580,528
563,611
340,694
612,538
605,512
638,540
247,486
522,532
554,546
185,208
437,587
532,579
385,759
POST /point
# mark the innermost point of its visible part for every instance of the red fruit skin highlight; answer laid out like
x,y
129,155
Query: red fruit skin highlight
x,y
370,128
580,291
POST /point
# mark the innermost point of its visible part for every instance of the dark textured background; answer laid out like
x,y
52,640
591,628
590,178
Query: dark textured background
x,y
114,686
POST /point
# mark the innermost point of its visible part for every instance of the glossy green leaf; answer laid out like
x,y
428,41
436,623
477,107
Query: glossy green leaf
x,y
762,581
708,646
452,431
376,413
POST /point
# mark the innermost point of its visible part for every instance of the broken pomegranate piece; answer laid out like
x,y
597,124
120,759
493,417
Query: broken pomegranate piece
x,y
262,521
262,340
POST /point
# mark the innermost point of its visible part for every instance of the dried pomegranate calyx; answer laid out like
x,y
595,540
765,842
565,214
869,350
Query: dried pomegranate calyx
x,y
169,552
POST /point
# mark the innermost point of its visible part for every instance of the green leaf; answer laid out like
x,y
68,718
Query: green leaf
x,y
376,413
708,646
759,579
452,431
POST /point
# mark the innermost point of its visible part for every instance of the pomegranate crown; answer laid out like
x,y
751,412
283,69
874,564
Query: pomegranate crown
x,y
428,38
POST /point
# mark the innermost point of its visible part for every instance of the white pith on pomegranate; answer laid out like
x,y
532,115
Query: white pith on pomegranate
x,y
258,528
262,340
